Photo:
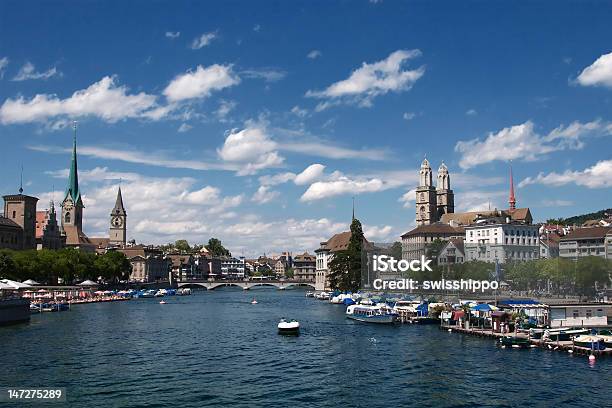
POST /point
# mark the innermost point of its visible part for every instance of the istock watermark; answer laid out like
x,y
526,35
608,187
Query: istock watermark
x,y
384,272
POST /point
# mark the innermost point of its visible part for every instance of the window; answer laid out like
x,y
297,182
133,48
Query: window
x,y
14,214
67,218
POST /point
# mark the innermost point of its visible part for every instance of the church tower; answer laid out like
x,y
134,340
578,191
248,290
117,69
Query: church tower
x,y
445,196
426,200
72,206
118,224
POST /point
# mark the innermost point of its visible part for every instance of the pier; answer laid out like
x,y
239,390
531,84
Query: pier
x,y
565,346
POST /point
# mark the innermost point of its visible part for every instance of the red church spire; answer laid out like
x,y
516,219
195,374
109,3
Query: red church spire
x,y
512,198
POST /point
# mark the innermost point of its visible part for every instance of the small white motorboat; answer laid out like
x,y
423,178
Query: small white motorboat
x,y
163,302
291,328
254,302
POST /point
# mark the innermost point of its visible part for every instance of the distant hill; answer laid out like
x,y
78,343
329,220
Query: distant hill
x,y
581,219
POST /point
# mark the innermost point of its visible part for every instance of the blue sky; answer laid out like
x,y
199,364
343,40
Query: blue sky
x,y
256,122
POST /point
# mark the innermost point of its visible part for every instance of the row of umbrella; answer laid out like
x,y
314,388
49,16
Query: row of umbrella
x,y
8,284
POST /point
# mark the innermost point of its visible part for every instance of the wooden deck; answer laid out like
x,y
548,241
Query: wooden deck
x,y
565,346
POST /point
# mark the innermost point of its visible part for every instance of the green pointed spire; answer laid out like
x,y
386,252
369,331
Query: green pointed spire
x,y
73,180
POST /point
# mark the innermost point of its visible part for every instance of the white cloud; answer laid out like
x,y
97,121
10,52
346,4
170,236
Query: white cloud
x,y
409,115
597,74
130,154
225,107
104,100
556,203
314,54
408,198
173,34
522,142
203,40
256,28
371,80
185,127
297,111
342,185
596,176
267,74
201,82
252,148
28,71
325,149
471,112
310,174
264,195
4,61
379,234
276,179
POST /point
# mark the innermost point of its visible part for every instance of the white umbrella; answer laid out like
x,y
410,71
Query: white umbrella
x,y
88,283
4,286
31,282
14,284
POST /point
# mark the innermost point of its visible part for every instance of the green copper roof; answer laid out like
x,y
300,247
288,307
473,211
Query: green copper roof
x,y
73,180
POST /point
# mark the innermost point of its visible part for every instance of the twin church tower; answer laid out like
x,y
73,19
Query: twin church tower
x,y
72,211
433,201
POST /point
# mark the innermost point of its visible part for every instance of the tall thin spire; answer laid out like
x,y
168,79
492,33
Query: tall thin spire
x,y
21,181
119,209
73,180
512,198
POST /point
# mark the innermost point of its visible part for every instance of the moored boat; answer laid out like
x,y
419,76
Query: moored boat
x,y
591,342
563,334
291,328
515,342
371,314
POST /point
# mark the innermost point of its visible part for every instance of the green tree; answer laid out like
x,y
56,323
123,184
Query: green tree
x,y
345,266
182,245
396,250
216,248
591,271
7,265
433,250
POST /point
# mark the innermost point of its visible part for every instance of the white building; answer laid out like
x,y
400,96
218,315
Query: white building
x,y
233,268
501,239
325,253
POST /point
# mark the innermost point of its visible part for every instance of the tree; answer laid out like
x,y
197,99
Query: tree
x,y
289,273
7,265
591,272
182,245
396,250
216,248
345,266
433,250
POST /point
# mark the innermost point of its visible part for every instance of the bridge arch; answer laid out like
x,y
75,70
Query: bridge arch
x,y
308,284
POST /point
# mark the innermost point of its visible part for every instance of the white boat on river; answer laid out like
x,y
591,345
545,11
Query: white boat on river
x,y
371,314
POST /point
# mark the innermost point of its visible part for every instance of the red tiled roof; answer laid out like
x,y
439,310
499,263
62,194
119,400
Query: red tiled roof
x,y
588,232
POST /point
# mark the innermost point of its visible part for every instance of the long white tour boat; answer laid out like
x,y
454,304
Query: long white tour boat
x,y
371,314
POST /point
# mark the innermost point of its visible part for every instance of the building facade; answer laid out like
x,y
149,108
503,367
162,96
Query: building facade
x,y
19,212
452,253
500,240
416,241
48,231
304,267
148,264
588,241
233,268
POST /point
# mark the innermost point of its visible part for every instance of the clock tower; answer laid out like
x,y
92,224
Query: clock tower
x,y
118,225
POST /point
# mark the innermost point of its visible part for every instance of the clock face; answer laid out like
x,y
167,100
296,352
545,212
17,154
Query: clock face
x,y
116,221
68,205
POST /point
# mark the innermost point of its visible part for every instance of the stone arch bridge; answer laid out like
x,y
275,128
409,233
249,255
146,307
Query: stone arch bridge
x,y
245,285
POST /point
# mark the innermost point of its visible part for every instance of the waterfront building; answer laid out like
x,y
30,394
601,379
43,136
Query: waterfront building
x,y
48,232
499,239
18,225
587,241
184,267
304,267
118,222
416,241
233,268
549,245
280,267
453,252
148,263
72,208
325,253
580,315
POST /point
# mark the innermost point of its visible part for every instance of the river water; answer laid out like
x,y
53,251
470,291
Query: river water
x,y
216,349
